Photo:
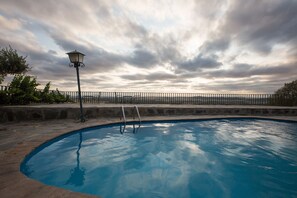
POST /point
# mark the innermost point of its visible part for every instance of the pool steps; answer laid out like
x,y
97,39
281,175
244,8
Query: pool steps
x,y
135,109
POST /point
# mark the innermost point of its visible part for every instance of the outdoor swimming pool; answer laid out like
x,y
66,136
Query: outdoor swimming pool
x,y
209,158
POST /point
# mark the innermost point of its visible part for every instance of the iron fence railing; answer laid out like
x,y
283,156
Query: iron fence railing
x,y
3,87
178,98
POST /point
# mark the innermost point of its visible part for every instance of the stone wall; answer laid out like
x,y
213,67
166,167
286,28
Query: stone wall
x,y
8,114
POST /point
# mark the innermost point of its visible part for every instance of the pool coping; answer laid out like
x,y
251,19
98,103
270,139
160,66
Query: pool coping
x,y
23,141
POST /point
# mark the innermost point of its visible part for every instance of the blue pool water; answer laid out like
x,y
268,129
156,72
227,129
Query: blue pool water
x,y
211,158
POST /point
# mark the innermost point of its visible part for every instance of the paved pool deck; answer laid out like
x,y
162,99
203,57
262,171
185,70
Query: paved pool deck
x,y
18,139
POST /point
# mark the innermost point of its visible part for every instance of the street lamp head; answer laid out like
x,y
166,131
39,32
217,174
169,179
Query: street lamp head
x,y
76,58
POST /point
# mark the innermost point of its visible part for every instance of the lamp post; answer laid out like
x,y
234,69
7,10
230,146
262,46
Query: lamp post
x,y
76,60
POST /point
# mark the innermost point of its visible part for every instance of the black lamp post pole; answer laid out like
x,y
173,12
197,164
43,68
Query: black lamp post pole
x,y
82,119
76,59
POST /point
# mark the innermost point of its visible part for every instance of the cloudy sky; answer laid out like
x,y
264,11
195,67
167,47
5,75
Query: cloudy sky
x,y
213,46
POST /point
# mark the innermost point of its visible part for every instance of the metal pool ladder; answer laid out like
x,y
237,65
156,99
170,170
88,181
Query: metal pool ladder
x,y
135,109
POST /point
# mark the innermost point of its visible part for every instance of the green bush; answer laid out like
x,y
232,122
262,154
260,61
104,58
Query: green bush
x,y
49,96
4,97
23,90
285,96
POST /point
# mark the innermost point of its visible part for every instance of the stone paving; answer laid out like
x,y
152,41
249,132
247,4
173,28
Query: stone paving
x,y
19,138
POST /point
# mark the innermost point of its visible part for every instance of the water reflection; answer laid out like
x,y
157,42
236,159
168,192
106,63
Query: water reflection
x,y
238,138
77,174
135,128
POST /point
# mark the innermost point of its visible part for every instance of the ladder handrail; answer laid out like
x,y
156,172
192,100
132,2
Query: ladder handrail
x,y
123,114
137,111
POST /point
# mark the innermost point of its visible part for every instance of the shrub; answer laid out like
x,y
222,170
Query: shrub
x,y
23,90
286,95
4,97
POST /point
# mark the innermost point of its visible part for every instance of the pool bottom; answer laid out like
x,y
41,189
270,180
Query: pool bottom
x,y
220,158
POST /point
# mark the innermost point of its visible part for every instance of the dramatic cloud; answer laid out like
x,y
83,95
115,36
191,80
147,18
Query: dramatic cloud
x,y
199,62
262,24
181,46
215,45
150,77
143,58
245,70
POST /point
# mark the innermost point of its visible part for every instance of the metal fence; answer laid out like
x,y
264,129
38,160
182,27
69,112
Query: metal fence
x,y
178,98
